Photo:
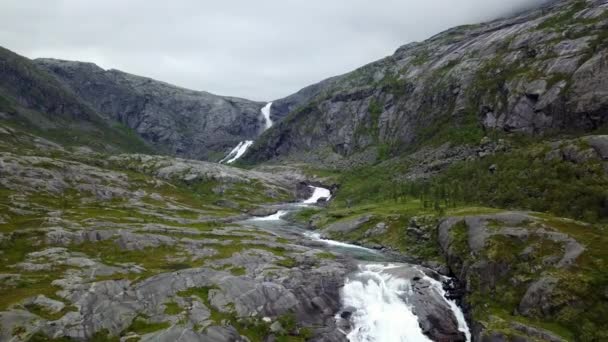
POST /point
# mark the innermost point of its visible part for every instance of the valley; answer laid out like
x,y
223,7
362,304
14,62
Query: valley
x,y
453,191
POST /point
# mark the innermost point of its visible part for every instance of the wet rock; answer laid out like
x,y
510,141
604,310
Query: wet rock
x,y
434,314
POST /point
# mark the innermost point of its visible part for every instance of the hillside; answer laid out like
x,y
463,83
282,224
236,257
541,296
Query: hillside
x,y
33,100
541,73
456,190
183,122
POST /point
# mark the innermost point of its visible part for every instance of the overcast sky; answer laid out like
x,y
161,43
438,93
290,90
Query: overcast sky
x,y
260,50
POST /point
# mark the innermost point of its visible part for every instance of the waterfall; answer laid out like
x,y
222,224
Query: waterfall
x,y
242,147
237,152
317,194
273,217
266,113
379,312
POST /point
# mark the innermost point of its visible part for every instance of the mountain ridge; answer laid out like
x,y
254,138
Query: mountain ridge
x,y
533,68
188,123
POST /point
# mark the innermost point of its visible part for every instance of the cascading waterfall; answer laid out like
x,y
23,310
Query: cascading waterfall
x,y
266,113
242,147
380,314
237,152
317,194
273,217
318,237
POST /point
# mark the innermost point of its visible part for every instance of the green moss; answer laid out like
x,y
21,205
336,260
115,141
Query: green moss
x,y
172,308
100,336
304,215
460,237
153,260
44,313
325,255
238,271
421,57
575,284
287,262
560,20
41,337
141,325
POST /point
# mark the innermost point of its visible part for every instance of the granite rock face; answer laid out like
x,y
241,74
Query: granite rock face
x,y
178,121
537,73
518,260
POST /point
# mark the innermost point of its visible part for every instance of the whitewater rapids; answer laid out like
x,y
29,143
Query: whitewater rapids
x,y
377,295
380,314
317,194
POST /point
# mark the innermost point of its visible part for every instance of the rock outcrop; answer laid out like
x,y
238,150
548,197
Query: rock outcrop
x,y
514,266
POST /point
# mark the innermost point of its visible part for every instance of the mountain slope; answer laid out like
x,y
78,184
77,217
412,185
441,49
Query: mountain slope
x,y
183,122
35,101
541,72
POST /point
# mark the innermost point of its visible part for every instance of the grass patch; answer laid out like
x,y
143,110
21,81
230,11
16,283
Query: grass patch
x,y
172,308
141,326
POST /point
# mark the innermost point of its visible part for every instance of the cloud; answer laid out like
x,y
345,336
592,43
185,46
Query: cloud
x,y
255,49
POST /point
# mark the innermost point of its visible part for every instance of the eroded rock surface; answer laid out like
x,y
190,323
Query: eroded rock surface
x,y
513,260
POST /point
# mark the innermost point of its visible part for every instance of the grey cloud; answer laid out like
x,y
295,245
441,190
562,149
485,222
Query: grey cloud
x,y
255,49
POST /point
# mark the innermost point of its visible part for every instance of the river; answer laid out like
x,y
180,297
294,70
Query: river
x,y
379,296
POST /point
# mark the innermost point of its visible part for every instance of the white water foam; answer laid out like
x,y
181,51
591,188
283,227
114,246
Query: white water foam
x,y
317,237
274,217
266,113
462,322
317,194
381,315
237,152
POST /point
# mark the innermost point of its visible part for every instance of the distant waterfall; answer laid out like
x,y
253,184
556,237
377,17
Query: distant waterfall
x,y
242,147
266,114
237,152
